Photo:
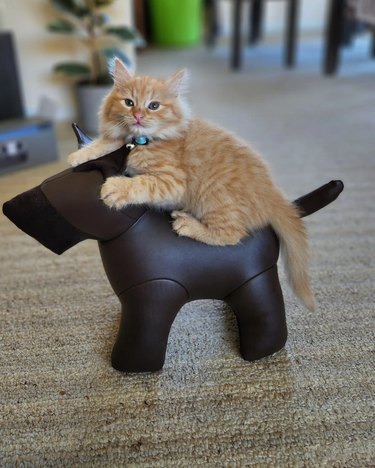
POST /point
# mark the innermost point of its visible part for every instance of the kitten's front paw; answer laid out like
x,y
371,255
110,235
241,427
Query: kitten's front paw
x,y
78,157
115,192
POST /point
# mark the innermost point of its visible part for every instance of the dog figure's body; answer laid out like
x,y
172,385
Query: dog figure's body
x,y
153,271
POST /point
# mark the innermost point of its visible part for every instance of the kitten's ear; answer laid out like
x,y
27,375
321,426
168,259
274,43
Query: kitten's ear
x,y
119,72
178,82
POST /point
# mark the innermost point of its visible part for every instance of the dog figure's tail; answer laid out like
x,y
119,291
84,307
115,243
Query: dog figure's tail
x,y
293,238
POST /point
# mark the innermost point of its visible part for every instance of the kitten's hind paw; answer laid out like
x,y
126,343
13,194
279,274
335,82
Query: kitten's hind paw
x,y
185,224
180,214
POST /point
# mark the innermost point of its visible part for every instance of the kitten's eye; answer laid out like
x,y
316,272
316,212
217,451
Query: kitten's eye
x,y
129,102
154,105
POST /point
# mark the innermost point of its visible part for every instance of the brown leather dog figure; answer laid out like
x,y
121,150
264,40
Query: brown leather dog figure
x,y
152,270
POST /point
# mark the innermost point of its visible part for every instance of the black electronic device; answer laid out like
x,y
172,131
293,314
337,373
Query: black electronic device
x,y
11,105
24,141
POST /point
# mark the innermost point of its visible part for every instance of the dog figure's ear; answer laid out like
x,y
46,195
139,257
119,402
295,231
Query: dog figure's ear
x,y
82,138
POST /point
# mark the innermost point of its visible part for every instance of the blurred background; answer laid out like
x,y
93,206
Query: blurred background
x,y
256,53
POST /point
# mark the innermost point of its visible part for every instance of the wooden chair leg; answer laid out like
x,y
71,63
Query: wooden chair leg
x,y
236,35
333,36
256,12
291,33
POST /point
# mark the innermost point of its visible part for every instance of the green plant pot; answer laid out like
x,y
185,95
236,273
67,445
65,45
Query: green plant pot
x,y
176,22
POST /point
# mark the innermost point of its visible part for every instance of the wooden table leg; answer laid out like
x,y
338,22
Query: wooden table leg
x,y
236,35
211,22
372,50
333,36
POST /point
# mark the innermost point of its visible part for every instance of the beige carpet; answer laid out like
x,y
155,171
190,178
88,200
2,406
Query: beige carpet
x,y
310,405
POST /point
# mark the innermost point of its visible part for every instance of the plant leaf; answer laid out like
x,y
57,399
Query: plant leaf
x,y
61,26
122,32
102,3
73,69
74,7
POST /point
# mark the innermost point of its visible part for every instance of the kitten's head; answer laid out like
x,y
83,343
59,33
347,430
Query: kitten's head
x,y
141,105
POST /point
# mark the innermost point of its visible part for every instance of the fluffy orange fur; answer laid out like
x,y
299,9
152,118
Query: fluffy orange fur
x,y
219,189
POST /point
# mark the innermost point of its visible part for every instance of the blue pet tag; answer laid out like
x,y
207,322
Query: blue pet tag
x,y
140,140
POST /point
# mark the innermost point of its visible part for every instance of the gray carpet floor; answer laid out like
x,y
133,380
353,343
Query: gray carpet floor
x,y
310,405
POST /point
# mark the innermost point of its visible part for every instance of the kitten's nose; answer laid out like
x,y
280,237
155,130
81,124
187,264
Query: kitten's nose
x,y
138,116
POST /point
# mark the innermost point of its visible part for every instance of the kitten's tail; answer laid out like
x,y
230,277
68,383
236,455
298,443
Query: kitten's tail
x,y
295,251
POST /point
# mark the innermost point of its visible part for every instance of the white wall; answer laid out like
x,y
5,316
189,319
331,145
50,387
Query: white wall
x,y
312,15
38,50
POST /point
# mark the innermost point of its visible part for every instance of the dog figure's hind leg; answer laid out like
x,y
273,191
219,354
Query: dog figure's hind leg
x,y
259,308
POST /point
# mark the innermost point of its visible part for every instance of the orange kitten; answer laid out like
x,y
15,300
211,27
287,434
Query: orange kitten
x,y
219,188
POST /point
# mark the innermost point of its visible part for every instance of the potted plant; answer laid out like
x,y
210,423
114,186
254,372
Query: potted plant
x,y
86,20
